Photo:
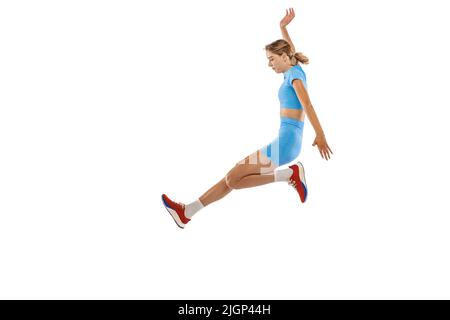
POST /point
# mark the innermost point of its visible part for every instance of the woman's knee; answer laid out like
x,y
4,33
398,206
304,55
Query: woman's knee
x,y
231,181
232,178
228,182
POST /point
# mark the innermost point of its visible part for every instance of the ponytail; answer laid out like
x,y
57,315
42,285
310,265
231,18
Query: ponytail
x,y
299,57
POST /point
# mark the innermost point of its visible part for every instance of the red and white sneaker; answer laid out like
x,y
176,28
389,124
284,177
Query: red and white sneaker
x,y
298,181
176,210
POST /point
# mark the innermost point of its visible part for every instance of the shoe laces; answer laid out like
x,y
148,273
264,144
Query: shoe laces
x,y
293,184
180,204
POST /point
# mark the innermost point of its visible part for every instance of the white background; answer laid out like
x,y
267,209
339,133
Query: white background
x,y
105,105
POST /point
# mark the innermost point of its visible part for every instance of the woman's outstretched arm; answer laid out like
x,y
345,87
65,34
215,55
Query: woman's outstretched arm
x,y
320,139
283,24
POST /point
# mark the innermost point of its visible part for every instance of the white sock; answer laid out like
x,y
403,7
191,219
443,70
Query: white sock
x,y
192,208
283,175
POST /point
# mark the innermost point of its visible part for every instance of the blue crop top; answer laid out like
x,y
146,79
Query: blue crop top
x,y
286,94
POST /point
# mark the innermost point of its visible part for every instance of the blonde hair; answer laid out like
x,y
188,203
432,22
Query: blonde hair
x,y
282,46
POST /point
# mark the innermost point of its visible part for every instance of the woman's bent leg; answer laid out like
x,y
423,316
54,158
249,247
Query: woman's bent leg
x,y
255,170
256,167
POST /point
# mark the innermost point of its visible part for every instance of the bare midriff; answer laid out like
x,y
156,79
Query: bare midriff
x,y
297,114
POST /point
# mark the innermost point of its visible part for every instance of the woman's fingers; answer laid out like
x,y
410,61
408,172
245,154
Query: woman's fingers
x,y
329,148
325,153
286,19
324,150
290,13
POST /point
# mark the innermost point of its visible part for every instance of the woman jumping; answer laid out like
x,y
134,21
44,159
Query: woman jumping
x,y
259,167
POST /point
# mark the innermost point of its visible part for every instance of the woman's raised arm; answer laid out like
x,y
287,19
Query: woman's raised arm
x,y
283,24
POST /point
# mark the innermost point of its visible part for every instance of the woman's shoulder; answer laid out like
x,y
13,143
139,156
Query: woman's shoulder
x,y
297,70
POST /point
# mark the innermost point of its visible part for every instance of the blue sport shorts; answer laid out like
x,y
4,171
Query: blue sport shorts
x,y
286,147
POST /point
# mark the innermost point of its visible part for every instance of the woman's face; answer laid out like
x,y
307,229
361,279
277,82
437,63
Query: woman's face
x,y
278,63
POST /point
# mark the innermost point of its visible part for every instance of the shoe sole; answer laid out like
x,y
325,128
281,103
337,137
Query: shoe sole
x,y
173,214
303,178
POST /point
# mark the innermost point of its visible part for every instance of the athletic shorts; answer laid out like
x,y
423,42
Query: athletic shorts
x,y
286,147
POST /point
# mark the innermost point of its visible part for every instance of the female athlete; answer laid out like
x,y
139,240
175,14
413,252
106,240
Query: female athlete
x,y
259,167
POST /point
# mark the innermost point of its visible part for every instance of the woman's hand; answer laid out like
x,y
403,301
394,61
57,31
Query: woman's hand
x,y
322,145
288,18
